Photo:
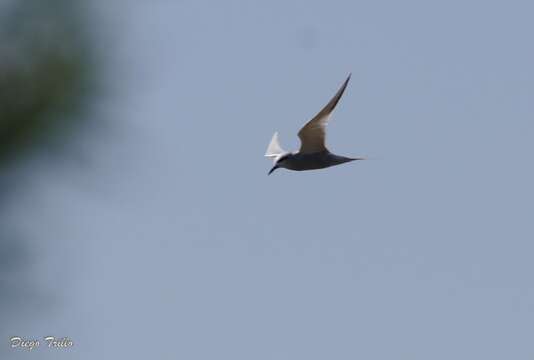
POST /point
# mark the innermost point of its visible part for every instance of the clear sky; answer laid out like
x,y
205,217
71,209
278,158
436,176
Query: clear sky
x,y
169,240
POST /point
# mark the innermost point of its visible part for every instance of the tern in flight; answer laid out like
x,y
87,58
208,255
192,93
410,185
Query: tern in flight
x,y
313,153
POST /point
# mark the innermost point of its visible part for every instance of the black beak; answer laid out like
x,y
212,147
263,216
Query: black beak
x,y
273,169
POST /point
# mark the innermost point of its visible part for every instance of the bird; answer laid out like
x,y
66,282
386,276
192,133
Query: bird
x,y
313,153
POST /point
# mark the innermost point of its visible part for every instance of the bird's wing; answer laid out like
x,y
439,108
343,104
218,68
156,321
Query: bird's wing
x,y
274,149
312,135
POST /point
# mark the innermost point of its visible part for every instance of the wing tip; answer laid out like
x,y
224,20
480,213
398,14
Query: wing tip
x,y
274,148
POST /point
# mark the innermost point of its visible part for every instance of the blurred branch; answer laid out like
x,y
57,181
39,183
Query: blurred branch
x,y
45,72
44,68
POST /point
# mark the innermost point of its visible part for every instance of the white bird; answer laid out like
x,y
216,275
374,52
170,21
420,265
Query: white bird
x,y
313,153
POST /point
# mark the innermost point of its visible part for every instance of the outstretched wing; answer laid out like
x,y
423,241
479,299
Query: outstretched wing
x,y
312,135
274,150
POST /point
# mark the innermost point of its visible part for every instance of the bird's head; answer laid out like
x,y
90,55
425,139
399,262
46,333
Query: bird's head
x,y
281,162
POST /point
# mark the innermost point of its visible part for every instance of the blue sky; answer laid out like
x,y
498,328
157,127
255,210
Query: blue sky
x,y
176,244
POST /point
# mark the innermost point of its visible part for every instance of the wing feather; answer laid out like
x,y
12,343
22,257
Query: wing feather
x,y
274,150
312,135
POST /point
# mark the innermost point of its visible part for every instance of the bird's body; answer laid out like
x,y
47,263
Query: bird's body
x,y
313,161
313,153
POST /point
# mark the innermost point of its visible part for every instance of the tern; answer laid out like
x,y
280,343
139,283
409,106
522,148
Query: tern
x,y
313,153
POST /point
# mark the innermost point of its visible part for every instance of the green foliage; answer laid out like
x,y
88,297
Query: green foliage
x,y
44,71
